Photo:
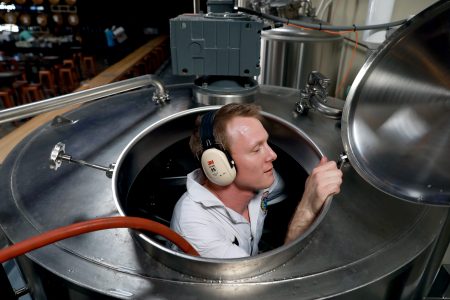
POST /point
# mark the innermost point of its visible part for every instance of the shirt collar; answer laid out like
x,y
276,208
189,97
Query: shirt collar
x,y
202,195
199,193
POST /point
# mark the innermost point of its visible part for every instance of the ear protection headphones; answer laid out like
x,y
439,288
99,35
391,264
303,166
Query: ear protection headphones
x,y
216,162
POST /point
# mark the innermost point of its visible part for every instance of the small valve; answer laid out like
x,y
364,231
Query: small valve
x,y
160,98
342,160
316,88
58,155
315,97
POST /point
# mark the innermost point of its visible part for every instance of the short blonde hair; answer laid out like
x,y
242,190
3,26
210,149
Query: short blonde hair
x,y
221,118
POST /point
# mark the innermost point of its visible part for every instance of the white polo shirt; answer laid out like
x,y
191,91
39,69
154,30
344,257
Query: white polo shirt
x,y
215,230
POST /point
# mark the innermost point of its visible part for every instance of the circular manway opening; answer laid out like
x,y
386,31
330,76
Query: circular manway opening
x,y
162,181
151,175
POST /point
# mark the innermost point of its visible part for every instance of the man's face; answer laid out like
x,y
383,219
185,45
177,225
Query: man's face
x,y
251,153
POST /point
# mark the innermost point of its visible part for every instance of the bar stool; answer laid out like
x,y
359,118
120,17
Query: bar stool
x,y
33,92
89,66
78,62
18,86
47,81
6,94
70,63
66,80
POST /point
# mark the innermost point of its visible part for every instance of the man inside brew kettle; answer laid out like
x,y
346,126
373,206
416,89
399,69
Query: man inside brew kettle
x,y
223,210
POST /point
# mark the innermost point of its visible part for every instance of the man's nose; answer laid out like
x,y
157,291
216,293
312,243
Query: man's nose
x,y
271,154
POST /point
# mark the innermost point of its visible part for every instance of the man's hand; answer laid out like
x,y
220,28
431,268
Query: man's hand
x,y
325,180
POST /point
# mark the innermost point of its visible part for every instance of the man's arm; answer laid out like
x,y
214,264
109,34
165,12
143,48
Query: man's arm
x,y
325,180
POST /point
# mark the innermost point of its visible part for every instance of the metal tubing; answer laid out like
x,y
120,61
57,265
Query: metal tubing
x,y
85,163
196,6
35,108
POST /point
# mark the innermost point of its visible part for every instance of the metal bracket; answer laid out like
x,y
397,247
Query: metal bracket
x,y
59,121
342,160
315,97
160,97
316,85
58,155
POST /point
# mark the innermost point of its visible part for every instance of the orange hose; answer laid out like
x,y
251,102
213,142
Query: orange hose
x,y
61,233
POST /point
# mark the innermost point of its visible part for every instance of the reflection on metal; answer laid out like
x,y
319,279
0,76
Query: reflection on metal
x,y
291,9
20,112
142,150
35,199
62,121
396,121
196,4
216,90
343,159
289,54
58,155
315,96
338,258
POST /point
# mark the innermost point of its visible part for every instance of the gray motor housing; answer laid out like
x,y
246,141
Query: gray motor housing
x,y
216,44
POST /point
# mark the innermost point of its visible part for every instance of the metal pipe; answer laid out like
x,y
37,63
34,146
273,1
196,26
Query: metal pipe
x,y
160,95
379,11
35,108
196,6
323,8
244,3
321,26
84,163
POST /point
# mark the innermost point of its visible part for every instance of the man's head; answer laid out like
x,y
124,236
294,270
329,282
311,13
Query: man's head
x,y
237,128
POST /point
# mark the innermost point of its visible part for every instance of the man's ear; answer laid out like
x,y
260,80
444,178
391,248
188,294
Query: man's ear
x,y
218,168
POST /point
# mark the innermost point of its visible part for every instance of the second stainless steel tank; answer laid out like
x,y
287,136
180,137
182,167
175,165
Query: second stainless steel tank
x,y
289,54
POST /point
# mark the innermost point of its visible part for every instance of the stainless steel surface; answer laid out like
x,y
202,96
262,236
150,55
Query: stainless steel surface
x,y
62,121
58,155
322,8
289,54
339,258
220,90
291,9
196,6
142,149
315,96
23,111
368,244
243,3
330,107
396,121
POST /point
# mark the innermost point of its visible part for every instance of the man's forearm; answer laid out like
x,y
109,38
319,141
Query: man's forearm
x,y
300,222
325,180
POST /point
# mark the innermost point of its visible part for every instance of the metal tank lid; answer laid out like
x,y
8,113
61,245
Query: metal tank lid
x,y
396,120
293,33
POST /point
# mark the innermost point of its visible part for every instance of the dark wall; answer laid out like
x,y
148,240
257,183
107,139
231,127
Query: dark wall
x,y
134,16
